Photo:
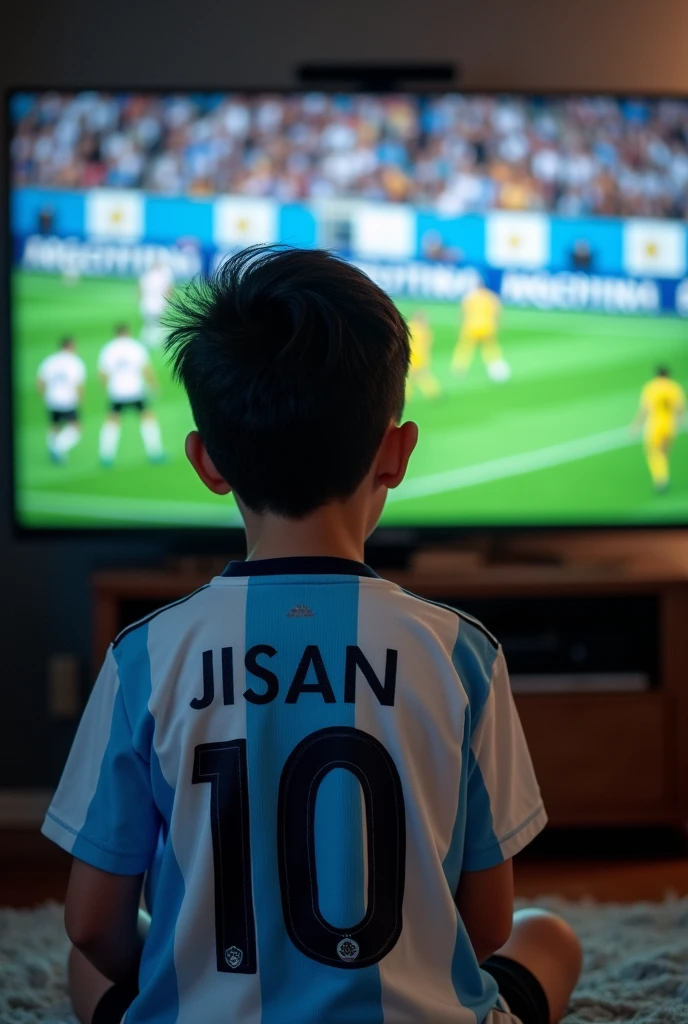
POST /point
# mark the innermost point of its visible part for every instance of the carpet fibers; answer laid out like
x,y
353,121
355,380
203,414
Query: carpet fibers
x,y
636,963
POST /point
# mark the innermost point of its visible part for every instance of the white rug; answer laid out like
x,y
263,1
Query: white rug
x,y
636,963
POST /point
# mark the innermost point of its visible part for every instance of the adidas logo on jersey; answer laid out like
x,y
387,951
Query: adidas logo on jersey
x,y
299,611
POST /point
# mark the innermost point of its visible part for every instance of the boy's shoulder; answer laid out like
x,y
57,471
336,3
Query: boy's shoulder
x,y
140,624
475,653
466,623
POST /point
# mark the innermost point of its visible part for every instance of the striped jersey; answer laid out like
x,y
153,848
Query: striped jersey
x,y
303,757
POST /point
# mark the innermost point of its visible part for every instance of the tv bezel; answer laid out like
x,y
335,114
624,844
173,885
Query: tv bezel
x,y
231,538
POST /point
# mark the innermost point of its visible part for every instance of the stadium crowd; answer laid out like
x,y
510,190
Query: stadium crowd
x,y
573,156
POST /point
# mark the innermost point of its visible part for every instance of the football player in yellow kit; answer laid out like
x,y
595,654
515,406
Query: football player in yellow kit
x,y
480,322
420,374
662,406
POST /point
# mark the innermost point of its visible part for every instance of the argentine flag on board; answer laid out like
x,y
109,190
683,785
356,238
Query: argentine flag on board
x,y
517,240
114,215
383,230
654,248
244,220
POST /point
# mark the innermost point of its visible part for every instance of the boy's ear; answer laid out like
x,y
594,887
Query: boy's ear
x,y
204,465
395,452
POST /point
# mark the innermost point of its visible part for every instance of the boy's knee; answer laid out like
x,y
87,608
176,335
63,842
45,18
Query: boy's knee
x,y
550,932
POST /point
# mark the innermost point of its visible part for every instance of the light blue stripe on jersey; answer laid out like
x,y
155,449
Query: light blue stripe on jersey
x,y
293,986
473,657
124,779
159,1003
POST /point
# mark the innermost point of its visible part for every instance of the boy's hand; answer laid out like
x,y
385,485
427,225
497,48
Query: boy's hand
x,y
102,920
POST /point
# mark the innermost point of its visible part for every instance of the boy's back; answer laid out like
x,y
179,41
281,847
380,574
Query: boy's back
x,y
306,757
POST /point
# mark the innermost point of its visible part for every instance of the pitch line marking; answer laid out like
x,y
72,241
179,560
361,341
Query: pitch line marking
x,y
513,465
196,513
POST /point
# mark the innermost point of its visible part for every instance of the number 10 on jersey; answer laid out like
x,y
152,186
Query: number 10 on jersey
x,y
224,767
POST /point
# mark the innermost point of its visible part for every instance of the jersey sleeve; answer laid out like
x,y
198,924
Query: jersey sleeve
x,y
103,811
505,810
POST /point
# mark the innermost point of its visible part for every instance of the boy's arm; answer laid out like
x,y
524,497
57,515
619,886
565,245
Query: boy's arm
x,y
504,810
485,900
102,920
104,812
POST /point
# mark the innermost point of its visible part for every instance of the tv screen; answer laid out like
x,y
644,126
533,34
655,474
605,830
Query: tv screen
x,y
536,245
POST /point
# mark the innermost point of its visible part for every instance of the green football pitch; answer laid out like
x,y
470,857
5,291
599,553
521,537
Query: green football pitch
x,y
552,445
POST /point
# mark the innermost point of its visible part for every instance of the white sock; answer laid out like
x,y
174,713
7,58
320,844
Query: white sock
x,y
67,438
151,437
109,440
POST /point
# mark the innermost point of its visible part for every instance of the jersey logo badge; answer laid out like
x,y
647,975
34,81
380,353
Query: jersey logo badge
x,y
300,611
348,949
233,956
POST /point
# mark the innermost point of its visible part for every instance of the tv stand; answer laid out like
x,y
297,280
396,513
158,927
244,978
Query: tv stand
x,y
602,758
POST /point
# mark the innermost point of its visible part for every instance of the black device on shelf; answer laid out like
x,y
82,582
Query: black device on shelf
x,y
576,644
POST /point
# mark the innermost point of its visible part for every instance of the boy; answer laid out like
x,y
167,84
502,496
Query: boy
x,y
662,407
125,369
60,380
323,775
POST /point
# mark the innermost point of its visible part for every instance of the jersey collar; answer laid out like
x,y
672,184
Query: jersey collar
x,y
310,565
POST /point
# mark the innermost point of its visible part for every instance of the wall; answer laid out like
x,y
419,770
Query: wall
x,y
593,44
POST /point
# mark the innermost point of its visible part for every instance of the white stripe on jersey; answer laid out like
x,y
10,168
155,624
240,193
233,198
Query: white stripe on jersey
x,y
201,988
70,804
517,810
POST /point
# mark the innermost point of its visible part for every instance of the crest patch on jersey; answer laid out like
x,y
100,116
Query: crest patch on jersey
x,y
348,949
233,956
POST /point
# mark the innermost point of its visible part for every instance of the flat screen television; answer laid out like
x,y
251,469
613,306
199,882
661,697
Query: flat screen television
x,y
537,246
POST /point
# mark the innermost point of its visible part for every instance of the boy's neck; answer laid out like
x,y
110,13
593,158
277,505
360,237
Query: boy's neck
x,y
327,532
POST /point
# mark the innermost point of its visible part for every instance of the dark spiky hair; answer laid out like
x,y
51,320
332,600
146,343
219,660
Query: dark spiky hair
x,y
295,363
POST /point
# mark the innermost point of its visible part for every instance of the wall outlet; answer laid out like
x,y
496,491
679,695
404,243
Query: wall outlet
x,y
64,691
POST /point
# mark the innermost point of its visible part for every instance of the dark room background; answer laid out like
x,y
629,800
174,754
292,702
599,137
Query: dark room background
x,y
626,45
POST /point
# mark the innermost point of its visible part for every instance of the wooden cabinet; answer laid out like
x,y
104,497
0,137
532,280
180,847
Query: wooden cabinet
x,y
617,758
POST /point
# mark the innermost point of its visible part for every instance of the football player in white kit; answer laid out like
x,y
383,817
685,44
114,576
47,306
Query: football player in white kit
x,y
125,369
60,380
155,288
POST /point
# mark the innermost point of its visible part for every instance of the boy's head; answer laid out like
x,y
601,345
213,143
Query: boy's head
x,y
663,371
295,365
